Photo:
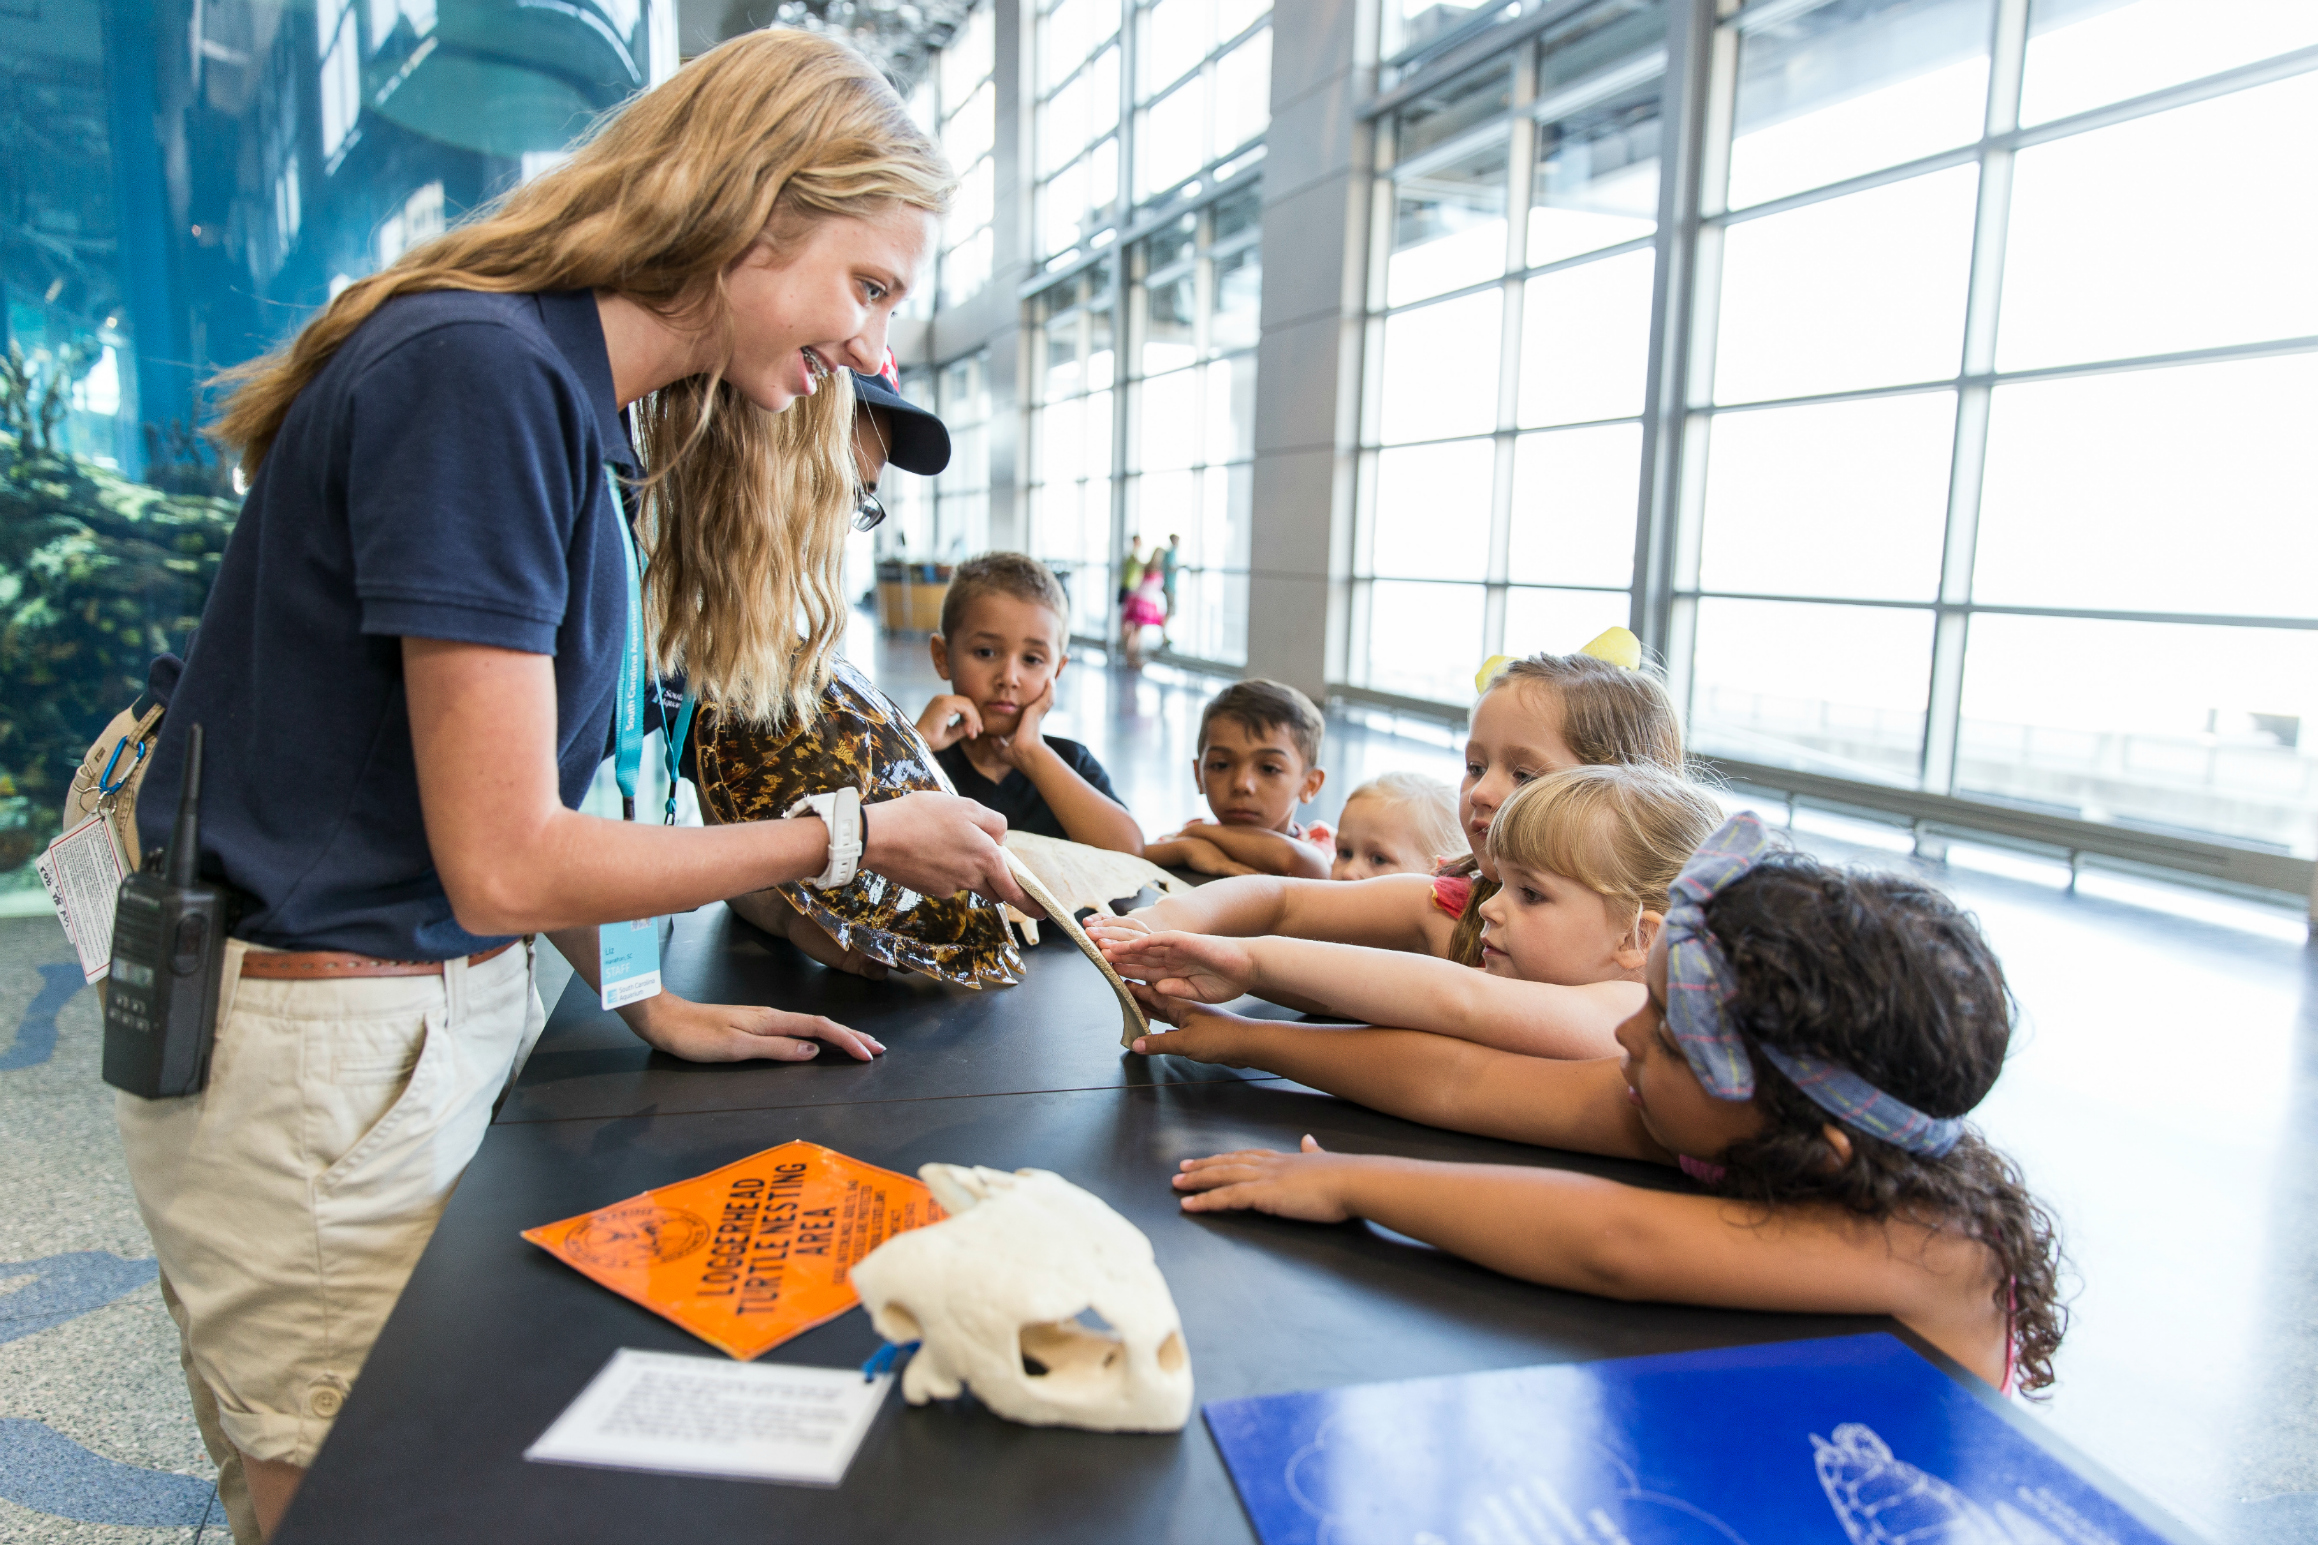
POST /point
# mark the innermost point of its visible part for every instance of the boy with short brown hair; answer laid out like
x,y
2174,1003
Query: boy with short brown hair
x,y
1259,758
1005,625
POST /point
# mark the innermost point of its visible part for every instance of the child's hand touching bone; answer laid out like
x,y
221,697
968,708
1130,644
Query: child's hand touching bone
x,y
1201,967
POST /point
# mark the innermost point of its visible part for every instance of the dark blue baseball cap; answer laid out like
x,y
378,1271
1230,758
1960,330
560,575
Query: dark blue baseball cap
x,y
918,441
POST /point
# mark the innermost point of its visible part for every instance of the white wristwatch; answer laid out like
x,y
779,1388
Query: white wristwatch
x,y
841,813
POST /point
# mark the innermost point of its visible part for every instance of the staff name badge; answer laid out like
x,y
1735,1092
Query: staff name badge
x,y
628,961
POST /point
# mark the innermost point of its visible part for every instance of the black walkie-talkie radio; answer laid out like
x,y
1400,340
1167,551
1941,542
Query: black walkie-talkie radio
x,y
168,952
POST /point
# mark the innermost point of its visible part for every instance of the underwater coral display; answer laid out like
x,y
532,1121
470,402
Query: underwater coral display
x,y
97,575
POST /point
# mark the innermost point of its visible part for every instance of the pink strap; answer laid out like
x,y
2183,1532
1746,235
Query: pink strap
x,y
1451,891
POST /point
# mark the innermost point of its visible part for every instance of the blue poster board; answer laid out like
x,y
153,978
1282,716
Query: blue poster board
x,y
1850,1441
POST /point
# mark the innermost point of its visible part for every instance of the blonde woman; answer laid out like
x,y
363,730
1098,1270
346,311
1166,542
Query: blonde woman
x,y
408,668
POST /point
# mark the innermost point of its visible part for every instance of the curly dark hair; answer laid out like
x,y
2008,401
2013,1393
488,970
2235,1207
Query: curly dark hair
x,y
1882,974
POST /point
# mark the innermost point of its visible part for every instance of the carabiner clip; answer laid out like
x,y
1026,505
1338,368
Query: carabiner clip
x,y
106,787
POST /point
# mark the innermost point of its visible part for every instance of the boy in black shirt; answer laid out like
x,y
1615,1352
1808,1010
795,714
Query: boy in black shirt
x,y
1004,625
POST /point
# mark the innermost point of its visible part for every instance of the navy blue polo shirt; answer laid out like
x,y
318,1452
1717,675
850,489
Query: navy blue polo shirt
x,y
443,477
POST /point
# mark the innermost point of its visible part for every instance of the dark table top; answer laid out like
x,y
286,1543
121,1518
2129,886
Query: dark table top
x,y
494,1337
1059,1029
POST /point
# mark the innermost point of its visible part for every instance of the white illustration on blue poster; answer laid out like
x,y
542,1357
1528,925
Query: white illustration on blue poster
x,y
1849,1441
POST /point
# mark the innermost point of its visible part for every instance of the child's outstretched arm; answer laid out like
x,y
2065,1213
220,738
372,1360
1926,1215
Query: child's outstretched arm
x,y
1390,912
1383,987
1597,1236
1442,1082
1266,852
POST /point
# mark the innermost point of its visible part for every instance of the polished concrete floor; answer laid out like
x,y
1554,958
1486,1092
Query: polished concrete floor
x,y
2163,1099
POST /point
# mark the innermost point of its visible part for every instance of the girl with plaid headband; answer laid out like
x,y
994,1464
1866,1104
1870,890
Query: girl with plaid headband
x,y
1812,1040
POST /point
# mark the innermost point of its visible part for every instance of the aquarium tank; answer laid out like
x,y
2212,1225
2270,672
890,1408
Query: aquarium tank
x,y
185,182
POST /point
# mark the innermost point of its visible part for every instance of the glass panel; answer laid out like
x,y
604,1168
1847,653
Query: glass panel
x,y
971,208
1597,177
1227,518
1174,140
1058,435
1160,502
2169,232
1176,35
1211,616
1062,377
1448,225
973,129
1424,640
1069,32
1585,341
1243,93
966,267
1576,496
1864,290
1170,245
1855,86
1422,397
971,56
1061,203
1432,512
1445,112
1233,17
1239,293
1231,408
1102,362
1062,125
1099,421
1170,335
1834,499
2153,725
2084,53
1832,689
2155,490
1243,211
1561,620
1167,421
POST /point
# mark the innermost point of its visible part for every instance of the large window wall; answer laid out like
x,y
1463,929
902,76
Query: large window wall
x,y
1513,261
1075,135
1150,229
1191,412
1973,459
958,101
1073,424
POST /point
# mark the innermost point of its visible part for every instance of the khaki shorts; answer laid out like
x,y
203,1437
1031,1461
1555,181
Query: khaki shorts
x,y
289,1200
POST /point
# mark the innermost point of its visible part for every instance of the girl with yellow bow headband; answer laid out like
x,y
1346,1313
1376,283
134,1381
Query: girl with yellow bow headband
x,y
1537,714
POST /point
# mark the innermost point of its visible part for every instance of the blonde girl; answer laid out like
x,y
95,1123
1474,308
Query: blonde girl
x,y
1810,1045
1400,823
1586,857
1536,716
408,668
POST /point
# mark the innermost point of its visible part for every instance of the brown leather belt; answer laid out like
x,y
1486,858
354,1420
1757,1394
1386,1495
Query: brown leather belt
x,y
333,966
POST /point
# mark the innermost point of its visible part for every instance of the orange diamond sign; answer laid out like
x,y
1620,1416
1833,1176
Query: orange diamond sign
x,y
749,1255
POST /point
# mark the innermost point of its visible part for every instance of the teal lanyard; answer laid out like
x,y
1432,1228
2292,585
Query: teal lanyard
x,y
635,681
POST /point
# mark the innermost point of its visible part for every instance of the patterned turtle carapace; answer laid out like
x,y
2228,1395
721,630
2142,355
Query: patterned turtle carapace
x,y
748,773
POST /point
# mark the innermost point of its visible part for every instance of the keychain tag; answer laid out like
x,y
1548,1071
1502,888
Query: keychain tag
x,y
628,956
82,870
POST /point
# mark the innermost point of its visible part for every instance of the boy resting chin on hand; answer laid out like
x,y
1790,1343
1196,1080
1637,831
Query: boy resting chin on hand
x,y
1004,625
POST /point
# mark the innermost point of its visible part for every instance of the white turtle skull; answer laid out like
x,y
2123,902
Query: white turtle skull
x,y
995,1291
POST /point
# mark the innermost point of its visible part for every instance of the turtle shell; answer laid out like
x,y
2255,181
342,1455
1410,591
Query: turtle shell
x,y
859,737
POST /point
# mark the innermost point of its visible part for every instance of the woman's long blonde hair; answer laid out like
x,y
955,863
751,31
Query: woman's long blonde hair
x,y
743,512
